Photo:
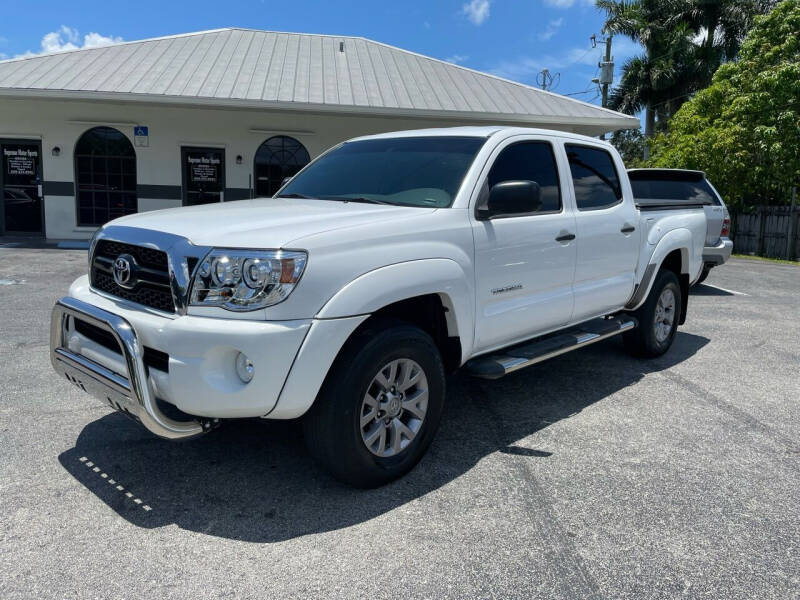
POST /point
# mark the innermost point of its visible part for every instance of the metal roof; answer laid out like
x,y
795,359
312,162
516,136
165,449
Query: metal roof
x,y
244,67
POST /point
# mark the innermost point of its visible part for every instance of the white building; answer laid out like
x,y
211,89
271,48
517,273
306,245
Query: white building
x,y
89,135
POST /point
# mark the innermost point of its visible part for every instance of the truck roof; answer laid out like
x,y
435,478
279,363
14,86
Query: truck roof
x,y
484,131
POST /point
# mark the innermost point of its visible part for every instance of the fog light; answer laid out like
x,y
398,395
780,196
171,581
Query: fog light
x,y
244,368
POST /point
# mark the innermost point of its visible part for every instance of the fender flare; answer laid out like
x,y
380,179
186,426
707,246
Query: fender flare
x,y
341,315
677,239
393,283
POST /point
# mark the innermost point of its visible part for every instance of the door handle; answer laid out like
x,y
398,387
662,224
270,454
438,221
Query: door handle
x,y
627,228
565,237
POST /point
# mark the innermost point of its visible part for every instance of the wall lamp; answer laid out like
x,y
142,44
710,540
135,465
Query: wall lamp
x,y
238,159
56,151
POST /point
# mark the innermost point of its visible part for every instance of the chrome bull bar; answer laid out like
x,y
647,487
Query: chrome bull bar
x,y
131,395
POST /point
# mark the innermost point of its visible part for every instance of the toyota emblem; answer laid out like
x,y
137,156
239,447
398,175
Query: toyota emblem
x,y
123,271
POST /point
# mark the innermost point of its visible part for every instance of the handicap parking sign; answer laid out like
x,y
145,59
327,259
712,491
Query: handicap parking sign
x,y
141,136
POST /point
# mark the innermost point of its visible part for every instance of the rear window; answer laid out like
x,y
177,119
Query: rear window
x,y
594,177
665,189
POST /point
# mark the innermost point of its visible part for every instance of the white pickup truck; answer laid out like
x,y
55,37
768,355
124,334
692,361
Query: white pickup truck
x,y
384,264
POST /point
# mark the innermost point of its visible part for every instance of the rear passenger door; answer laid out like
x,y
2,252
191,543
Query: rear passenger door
x,y
523,273
607,232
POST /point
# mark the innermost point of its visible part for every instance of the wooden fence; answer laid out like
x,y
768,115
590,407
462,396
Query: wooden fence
x,y
772,231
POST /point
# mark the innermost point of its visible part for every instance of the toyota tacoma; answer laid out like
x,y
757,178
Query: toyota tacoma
x,y
386,263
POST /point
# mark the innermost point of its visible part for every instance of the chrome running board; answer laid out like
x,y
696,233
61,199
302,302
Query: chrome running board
x,y
529,353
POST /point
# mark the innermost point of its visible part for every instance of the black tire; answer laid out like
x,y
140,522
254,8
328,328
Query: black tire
x,y
643,341
703,275
332,427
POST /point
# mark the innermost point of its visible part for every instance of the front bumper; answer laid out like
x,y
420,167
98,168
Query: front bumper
x,y
131,394
197,372
714,256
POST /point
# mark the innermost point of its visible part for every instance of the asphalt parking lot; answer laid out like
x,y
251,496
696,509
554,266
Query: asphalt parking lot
x,y
594,475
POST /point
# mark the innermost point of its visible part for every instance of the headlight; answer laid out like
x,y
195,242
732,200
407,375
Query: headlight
x,y
246,279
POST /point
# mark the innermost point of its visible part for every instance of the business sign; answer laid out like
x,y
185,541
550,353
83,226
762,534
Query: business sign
x,y
141,136
20,162
204,169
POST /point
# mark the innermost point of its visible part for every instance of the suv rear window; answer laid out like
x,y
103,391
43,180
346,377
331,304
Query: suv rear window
x,y
670,189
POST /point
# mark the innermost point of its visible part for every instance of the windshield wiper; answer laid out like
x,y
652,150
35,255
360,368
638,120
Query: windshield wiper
x,y
357,199
300,196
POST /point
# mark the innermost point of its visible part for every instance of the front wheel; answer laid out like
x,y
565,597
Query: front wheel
x,y
658,318
380,405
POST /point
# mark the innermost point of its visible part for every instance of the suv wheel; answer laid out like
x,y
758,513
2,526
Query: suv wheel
x,y
380,405
658,318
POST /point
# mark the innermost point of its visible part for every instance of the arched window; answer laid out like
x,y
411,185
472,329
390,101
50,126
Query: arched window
x,y
276,159
105,176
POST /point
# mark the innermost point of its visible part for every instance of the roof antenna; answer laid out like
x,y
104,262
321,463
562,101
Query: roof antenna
x,y
341,46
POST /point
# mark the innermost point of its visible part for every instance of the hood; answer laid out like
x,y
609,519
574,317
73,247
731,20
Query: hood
x,y
265,222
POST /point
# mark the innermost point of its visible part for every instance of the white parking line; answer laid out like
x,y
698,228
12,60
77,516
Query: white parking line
x,y
722,289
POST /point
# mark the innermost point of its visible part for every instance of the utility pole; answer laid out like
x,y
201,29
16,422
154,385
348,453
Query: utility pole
x,y
606,71
606,75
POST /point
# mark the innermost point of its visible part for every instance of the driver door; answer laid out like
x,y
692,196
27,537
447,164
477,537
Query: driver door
x,y
524,264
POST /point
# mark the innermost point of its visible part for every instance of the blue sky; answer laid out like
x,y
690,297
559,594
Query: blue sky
x,y
510,38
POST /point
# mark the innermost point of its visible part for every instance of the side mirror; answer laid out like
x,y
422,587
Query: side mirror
x,y
510,198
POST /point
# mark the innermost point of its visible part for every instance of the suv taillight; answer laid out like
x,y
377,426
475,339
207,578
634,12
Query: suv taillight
x,y
726,227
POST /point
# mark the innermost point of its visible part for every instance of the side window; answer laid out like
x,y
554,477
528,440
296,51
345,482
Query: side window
x,y
530,161
594,177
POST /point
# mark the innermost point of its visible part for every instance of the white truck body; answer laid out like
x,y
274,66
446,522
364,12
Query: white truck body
x,y
500,281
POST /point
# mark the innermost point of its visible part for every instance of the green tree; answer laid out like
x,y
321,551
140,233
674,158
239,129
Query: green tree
x,y
744,129
720,27
630,143
647,79
684,43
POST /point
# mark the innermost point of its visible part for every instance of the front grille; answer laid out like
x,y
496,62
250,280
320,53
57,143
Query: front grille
x,y
151,274
147,257
154,359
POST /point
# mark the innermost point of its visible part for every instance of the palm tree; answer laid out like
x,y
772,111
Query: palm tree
x,y
720,27
652,23
684,42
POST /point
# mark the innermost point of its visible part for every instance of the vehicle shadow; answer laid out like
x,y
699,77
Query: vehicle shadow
x,y
254,481
702,289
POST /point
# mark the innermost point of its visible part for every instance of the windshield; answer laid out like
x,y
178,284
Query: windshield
x,y
412,171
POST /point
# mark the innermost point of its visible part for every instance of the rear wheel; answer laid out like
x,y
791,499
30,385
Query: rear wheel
x,y
703,275
658,318
379,407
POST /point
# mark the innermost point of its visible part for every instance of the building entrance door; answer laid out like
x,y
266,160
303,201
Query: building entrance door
x,y
203,175
21,187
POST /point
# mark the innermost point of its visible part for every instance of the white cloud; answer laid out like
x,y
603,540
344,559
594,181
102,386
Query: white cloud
x,y
68,38
567,3
63,39
95,40
476,11
552,27
456,59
